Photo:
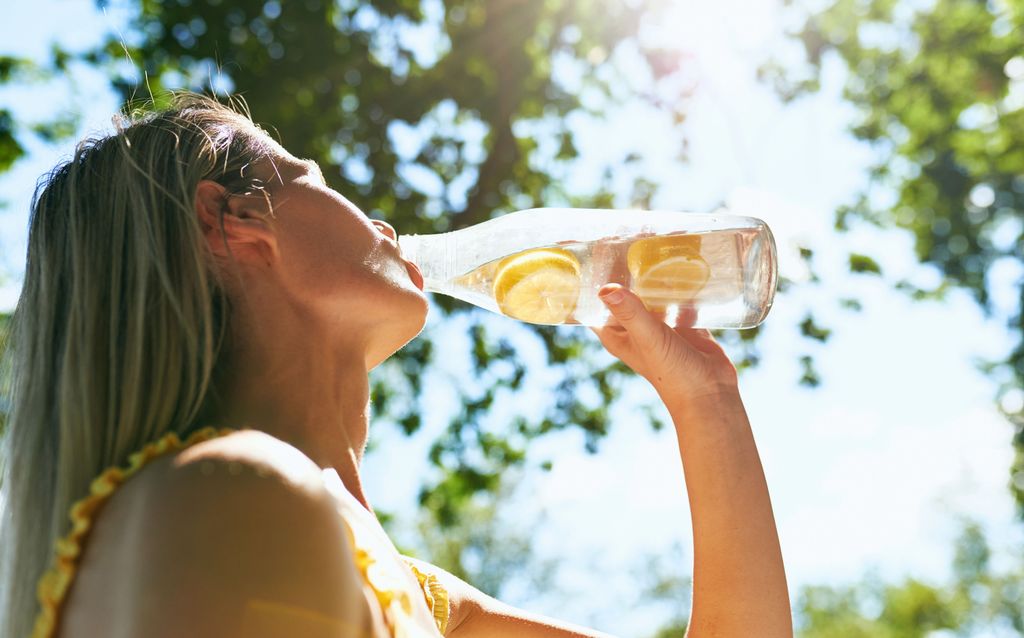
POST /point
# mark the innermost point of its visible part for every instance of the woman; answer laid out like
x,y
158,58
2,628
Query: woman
x,y
199,313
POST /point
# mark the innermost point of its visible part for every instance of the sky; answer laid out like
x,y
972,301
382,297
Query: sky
x,y
870,473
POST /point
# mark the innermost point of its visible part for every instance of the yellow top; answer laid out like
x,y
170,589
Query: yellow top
x,y
53,586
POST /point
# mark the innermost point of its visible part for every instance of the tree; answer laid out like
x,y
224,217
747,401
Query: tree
x,y
976,602
939,88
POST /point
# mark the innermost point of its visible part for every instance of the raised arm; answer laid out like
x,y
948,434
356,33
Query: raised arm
x,y
739,582
739,586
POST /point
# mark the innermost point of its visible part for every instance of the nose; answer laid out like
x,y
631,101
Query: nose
x,y
387,229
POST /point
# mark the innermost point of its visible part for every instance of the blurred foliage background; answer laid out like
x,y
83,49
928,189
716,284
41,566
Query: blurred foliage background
x,y
939,92
436,116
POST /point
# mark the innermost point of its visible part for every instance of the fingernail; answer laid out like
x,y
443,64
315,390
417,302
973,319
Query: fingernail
x,y
613,297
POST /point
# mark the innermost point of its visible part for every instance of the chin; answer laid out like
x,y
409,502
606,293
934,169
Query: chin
x,y
401,333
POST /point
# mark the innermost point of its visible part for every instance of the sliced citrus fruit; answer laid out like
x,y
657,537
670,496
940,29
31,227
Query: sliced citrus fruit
x,y
667,269
539,285
650,251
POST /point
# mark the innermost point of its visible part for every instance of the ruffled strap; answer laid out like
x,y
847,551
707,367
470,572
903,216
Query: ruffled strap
x,y
393,596
54,584
435,594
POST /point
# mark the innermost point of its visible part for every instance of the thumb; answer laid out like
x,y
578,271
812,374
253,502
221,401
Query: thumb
x,y
629,310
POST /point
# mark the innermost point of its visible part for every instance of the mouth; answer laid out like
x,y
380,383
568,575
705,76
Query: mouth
x,y
414,273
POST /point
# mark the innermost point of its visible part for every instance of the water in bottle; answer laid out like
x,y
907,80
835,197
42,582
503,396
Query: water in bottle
x,y
545,266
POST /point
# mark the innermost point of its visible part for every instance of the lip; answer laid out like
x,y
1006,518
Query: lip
x,y
414,273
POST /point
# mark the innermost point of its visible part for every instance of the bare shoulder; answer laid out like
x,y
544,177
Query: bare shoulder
x,y
246,453
238,477
237,536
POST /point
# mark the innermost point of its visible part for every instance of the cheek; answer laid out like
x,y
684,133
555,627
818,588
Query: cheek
x,y
330,256
329,251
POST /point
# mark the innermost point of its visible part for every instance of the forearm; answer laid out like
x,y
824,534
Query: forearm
x,y
739,579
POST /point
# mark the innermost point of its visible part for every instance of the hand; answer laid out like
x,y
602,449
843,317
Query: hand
x,y
682,362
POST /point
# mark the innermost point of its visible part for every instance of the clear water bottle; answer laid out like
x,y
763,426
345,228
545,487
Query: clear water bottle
x,y
546,265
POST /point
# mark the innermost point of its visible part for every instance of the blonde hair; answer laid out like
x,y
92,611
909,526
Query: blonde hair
x,y
120,323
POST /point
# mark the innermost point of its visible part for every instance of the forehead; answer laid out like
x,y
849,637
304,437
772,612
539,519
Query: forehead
x,y
279,164
282,166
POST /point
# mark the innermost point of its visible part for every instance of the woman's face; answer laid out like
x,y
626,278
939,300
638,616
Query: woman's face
x,y
341,266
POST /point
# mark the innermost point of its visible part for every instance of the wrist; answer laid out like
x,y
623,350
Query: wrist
x,y
710,397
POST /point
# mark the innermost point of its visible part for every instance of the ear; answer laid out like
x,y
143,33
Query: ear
x,y
235,226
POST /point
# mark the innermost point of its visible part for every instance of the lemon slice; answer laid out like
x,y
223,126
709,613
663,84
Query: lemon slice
x,y
539,285
667,269
650,251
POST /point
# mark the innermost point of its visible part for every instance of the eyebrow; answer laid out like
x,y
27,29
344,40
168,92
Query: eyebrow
x,y
315,167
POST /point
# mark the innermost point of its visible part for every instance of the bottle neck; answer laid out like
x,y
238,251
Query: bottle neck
x,y
432,254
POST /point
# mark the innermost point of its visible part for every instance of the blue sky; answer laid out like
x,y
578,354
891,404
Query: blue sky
x,y
868,473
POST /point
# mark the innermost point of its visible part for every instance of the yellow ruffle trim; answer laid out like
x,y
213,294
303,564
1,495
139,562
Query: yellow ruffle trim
x,y
393,599
54,584
436,595
387,593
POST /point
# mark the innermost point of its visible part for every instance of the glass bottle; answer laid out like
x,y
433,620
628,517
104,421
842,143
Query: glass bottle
x,y
546,265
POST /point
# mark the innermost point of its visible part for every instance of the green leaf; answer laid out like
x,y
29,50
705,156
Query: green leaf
x,y
851,304
59,129
809,377
11,67
811,330
10,150
864,264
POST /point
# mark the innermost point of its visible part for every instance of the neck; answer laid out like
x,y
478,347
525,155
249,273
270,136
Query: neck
x,y
292,387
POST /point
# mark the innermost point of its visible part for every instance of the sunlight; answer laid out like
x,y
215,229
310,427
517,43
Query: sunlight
x,y
715,32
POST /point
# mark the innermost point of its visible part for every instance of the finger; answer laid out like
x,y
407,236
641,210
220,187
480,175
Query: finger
x,y
629,311
686,317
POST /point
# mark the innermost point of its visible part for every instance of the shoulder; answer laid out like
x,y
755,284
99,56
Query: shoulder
x,y
241,531
241,455
244,474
